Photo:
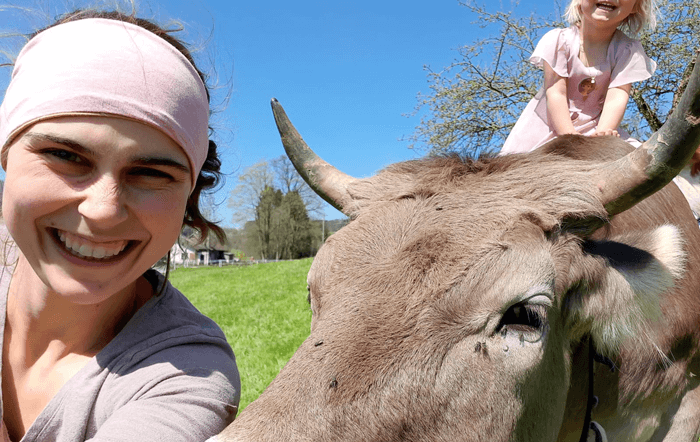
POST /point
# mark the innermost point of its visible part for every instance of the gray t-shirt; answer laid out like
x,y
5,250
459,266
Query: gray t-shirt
x,y
169,375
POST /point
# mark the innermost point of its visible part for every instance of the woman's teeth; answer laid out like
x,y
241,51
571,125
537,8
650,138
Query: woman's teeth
x,y
86,249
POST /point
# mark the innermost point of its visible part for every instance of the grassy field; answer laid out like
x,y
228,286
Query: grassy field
x,y
261,308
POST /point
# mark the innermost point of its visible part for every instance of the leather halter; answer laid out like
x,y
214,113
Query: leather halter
x,y
592,401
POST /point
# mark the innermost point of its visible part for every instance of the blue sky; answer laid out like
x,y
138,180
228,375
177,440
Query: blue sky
x,y
347,73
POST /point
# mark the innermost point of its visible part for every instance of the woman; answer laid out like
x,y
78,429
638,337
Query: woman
x,y
104,135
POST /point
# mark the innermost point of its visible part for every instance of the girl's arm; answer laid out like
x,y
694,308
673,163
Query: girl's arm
x,y
613,109
557,102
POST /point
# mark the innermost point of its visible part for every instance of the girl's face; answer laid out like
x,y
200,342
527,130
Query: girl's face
x,y
93,202
608,13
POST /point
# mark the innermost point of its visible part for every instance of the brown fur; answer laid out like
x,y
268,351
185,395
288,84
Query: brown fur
x,y
410,299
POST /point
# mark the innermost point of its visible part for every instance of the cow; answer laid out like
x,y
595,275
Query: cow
x,y
549,296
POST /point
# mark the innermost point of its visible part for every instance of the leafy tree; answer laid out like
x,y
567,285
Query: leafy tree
x,y
282,225
279,201
245,197
475,101
249,240
289,180
266,219
292,236
278,173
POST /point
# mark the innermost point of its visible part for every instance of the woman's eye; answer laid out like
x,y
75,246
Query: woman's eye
x,y
66,155
148,172
526,322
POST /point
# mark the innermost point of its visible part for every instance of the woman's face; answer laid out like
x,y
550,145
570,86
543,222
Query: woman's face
x,y
93,202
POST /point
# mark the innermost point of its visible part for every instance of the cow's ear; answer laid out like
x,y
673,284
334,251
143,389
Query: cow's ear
x,y
620,283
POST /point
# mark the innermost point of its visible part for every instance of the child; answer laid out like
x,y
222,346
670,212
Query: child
x,y
589,69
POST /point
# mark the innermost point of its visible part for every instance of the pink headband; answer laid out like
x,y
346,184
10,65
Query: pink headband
x,y
112,67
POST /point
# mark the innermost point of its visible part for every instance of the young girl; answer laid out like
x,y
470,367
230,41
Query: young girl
x,y
589,69
104,139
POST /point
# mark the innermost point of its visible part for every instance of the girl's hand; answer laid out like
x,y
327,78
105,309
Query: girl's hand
x,y
614,108
605,133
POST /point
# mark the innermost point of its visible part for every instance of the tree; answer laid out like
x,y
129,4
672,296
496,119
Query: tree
x,y
245,197
272,204
475,101
292,236
282,225
266,219
278,173
289,180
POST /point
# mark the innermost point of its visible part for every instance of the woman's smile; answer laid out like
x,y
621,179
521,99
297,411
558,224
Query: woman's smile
x,y
84,248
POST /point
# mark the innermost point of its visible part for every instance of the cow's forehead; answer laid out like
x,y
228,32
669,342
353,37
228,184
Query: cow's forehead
x,y
464,221
425,248
486,195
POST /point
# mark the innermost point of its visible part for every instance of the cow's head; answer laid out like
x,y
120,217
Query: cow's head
x,y
448,308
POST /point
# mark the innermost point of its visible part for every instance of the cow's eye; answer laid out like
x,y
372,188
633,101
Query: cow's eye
x,y
525,322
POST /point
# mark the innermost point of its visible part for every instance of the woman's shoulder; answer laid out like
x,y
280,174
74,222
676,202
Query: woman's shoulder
x,y
172,353
175,311
168,320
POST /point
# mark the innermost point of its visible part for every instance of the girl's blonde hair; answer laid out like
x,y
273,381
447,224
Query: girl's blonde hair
x,y
643,16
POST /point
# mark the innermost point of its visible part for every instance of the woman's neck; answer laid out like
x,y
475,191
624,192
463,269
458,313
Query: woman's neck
x,y
41,320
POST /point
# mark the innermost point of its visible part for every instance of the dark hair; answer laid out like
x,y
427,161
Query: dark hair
x,y
210,176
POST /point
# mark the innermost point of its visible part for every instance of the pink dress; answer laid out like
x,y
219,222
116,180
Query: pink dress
x,y
586,86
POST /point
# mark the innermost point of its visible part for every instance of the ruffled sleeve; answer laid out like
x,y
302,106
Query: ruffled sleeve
x,y
631,63
554,48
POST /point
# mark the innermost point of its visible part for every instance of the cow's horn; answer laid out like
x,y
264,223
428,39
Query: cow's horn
x,y
327,181
630,179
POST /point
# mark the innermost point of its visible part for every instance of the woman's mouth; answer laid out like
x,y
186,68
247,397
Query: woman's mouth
x,y
86,249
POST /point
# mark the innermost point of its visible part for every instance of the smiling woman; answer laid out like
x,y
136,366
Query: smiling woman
x,y
104,136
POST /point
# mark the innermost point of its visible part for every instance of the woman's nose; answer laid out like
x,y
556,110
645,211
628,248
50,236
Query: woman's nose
x,y
103,203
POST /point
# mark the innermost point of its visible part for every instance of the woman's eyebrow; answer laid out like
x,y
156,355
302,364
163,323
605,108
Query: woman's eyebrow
x,y
143,160
59,140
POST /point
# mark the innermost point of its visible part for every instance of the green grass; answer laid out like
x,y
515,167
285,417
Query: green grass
x,y
262,309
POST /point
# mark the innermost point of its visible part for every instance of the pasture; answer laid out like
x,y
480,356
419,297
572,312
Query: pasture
x,y
262,309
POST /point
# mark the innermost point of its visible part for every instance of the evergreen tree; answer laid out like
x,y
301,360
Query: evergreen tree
x,y
265,218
